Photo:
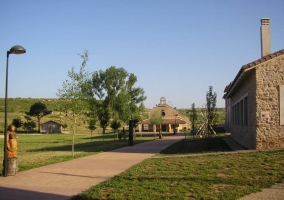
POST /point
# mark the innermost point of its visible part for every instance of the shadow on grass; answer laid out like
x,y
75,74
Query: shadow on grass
x,y
97,143
200,145
95,146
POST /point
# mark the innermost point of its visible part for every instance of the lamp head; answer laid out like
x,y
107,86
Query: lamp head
x,y
17,49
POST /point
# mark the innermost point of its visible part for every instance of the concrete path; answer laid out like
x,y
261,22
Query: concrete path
x,y
276,192
66,179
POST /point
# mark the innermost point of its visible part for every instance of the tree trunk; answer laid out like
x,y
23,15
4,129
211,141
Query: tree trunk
x,y
73,136
160,132
38,121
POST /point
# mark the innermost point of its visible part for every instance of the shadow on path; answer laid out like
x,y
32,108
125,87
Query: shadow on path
x,y
14,194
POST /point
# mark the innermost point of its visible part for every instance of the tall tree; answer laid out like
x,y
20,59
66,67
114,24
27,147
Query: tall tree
x,y
115,89
38,110
124,106
211,110
76,91
208,116
193,116
103,113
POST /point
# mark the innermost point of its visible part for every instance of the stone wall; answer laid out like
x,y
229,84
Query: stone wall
x,y
269,132
245,134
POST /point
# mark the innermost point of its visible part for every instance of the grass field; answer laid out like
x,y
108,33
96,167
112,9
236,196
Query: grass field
x,y
39,150
220,176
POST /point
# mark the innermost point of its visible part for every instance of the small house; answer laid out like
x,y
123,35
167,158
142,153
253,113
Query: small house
x,y
51,127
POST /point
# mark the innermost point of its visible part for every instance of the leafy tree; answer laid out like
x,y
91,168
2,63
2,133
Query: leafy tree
x,y
156,118
38,110
123,106
76,90
64,126
29,124
115,125
92,125
193,116
28,118
103,113
115,89
17,122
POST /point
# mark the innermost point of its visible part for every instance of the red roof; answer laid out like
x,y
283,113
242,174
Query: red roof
x,y
242,72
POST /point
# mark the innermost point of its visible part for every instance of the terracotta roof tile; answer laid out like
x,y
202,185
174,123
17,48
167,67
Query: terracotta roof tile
x,y
257,62
166,121
249,65
245,66
261,59
273,55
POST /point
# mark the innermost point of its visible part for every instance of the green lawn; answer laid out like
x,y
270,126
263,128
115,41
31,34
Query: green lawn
x,y
39,150
220,176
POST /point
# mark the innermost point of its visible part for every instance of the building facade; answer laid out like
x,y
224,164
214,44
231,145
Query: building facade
x,y
171,119
255,99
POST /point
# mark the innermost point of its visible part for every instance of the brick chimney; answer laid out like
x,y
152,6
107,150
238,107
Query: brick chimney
x,y
265,37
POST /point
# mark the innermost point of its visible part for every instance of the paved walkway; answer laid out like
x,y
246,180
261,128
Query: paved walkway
x,y
66,179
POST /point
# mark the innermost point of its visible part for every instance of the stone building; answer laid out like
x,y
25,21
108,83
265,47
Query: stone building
x,y
51,127
255,99
172,119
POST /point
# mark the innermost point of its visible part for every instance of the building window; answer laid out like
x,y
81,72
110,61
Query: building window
x,y
246,111
240,112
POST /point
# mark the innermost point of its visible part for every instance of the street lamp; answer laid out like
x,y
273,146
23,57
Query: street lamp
x,y
175,123
131,124
133,99
14,50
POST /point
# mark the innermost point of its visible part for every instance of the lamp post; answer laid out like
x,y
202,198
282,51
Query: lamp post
x,y
175,123
133,99
14,50
131,125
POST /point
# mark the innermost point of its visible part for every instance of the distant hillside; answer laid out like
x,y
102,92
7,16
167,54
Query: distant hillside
x,y
18,106
24,104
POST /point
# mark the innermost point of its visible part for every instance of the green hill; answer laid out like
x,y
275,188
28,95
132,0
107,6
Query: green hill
x,y
18,106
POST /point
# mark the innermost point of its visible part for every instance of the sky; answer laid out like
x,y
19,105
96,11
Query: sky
x,y
177,49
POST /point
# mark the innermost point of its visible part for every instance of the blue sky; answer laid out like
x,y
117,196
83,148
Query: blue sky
x,y
177,49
